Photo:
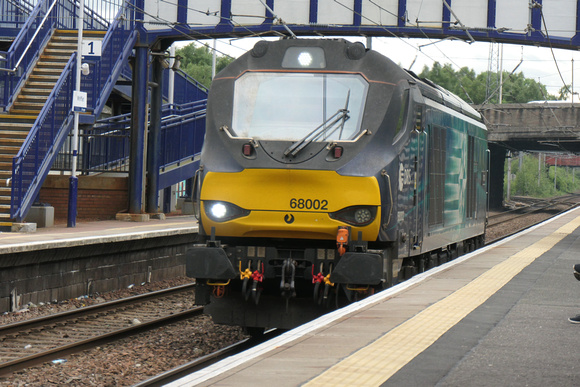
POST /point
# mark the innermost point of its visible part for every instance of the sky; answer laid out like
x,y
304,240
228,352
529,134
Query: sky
x,y
538,62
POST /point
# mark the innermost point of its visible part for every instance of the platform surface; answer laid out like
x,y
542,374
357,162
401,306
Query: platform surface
x,y
495,317
95,232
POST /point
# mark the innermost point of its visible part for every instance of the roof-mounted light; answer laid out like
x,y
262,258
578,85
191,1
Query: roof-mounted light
x,y
304,57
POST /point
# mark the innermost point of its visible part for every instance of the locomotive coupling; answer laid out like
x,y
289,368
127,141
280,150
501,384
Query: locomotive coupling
x,y
288,277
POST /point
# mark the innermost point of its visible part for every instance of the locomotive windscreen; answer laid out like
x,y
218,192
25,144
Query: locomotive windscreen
x,y
289,106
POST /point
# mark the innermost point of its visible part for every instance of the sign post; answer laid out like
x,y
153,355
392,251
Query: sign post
x,y
79,99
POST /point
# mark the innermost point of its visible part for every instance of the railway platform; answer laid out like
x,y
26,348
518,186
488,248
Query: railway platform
x,y
59,263
104,231
498,316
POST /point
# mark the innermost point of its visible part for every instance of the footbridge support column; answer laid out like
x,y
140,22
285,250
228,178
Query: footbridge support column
x,y
496,178
153,140
138,128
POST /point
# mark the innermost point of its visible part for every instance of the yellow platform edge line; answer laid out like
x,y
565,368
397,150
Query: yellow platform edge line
x,y
376,363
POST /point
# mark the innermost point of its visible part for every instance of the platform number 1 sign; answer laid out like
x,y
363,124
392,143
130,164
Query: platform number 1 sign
x,y
91,48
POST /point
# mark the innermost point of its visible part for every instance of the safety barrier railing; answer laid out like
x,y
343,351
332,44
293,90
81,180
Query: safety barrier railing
x,y
182,132
33,161
13,15
117,46
185,89
105,147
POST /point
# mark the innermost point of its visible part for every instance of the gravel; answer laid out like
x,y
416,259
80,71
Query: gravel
x,y
128,361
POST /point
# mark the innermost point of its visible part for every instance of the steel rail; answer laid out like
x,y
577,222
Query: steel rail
x,y
67,349
88,310
531,212
571,206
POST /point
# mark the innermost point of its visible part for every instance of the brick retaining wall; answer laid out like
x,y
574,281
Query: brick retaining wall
x,y
64,273
99,198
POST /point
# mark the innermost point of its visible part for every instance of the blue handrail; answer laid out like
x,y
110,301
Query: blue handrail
x,y
33,161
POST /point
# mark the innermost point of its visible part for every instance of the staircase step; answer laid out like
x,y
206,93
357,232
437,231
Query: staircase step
x,y
11,141
51,64
25,111
69,44
37,84
29,103
7,150
28,90
17,120
15,128
43,78
43,71
31,100
58,51
13,134
54,58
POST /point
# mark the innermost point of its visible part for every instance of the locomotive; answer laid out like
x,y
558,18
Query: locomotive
x,y
329,173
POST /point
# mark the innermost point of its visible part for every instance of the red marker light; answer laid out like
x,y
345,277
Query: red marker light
x,y
247,149
337,152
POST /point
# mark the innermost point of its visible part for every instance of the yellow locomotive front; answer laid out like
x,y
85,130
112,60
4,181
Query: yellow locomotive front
x,y
289,196
289,203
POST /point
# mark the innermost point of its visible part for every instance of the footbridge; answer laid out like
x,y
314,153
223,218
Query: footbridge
x,y
133,124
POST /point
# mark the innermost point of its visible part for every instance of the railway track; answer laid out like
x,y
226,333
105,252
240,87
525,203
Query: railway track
x,y
510,222
205,361
51,337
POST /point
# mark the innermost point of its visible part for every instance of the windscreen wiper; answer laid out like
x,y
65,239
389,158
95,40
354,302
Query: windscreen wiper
x,y
325,129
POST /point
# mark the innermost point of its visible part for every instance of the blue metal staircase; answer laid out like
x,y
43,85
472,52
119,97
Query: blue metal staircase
x,y
36,87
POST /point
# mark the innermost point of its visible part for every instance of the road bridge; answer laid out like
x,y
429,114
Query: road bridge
x,y
545,127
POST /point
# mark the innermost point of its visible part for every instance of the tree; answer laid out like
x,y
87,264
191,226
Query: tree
x,y
564,92
472,88
196,62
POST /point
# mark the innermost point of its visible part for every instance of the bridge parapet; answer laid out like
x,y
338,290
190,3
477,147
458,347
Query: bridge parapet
x,y
544,126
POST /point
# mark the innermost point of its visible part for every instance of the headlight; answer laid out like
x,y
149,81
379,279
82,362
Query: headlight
x,y
356,215
223,211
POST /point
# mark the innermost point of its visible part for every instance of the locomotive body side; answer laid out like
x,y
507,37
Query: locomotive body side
x,y
328,173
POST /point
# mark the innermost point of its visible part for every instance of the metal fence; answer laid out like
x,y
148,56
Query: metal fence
x,y
105,147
